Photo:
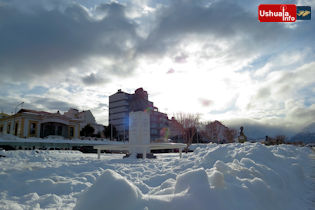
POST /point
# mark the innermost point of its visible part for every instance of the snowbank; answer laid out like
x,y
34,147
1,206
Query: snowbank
x,y
231,176
238,176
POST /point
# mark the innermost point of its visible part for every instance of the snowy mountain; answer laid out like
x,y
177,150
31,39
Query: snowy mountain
x,y
307,135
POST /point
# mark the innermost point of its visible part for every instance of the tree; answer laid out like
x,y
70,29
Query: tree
x,y
88,130
280,139
211,131
188,125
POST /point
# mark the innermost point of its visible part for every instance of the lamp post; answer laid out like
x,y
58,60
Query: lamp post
x,y
14,116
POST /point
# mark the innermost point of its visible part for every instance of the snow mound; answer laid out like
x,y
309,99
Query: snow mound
x,y
112,191
235,176
230,176
2,153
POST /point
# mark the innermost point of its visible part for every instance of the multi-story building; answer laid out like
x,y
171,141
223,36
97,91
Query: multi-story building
x,y
121,103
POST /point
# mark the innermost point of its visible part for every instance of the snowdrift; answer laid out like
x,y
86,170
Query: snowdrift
x,y
230,176
250,176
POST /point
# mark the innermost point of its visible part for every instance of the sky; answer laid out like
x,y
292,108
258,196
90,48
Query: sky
x,y
212,57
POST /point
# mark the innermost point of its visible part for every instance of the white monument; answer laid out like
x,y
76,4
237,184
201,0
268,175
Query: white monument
x,y
139,128
139,132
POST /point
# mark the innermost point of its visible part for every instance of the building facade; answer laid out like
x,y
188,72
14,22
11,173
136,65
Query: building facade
x,y
30,123
121,103
86,117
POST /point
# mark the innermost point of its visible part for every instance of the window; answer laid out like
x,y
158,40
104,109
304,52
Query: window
x,y
32,129
71,132
16,128
9,128
59,131
1,129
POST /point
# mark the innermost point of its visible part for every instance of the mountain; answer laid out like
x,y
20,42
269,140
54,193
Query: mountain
x,y
310,128
307,135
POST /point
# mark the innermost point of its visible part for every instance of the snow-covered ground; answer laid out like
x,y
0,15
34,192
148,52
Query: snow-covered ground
x,y
14,139
230,176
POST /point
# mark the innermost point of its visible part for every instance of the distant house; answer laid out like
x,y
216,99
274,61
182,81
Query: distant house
x,y
30,123
85,117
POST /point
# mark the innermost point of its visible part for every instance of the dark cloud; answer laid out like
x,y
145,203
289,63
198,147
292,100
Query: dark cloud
x,y
37,40
307,114
37,43
185,21
93,79
257,130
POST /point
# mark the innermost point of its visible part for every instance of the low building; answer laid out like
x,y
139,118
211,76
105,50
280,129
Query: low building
x,y
30,123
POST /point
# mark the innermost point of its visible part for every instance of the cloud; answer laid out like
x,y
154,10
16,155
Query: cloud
x,y
258,130
181,58
249,69
53,41
51,104
93,79
219,20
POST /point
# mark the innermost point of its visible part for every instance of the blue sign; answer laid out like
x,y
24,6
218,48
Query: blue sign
x,y
303,12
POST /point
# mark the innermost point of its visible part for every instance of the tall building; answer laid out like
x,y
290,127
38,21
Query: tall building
x,y
121,103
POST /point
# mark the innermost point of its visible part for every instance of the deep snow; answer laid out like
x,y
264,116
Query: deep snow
x,y
229,176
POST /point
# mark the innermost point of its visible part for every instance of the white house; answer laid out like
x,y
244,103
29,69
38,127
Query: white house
x,y
86,117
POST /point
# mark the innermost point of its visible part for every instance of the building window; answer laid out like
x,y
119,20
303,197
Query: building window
x,y
32,129
8,128
16,128
1,129
71,132
59,131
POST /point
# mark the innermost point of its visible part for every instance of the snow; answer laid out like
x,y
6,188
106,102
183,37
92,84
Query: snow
x,y
225,176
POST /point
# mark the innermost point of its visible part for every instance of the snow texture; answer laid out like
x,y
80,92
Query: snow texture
x,y
228,176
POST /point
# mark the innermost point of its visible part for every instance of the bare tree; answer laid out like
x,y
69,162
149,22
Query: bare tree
x,y
188,125
212,131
